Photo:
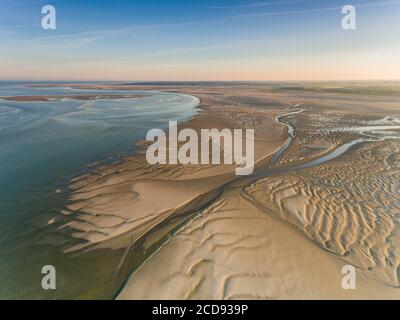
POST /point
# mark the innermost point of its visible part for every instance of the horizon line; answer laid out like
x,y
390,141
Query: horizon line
x,y
194,81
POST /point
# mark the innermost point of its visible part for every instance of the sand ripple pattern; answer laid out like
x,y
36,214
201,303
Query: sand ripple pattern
x,y
349,207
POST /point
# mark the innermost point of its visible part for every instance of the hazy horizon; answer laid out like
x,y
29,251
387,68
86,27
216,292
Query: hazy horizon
x,y
105,81
288,40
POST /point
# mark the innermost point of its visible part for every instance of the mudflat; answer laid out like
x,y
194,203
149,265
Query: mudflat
x,y
324,194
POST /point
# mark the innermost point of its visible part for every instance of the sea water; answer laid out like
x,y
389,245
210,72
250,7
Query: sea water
x,y
42,146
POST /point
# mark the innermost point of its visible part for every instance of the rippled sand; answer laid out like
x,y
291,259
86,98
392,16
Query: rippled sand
x,y
288,236
286,232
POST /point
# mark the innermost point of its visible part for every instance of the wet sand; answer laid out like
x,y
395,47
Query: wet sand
x,y
200,232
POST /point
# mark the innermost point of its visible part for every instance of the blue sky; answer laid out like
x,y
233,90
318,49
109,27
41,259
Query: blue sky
x,y
199,40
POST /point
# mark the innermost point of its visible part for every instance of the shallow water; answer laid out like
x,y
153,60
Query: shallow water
x,y
372,131
44,144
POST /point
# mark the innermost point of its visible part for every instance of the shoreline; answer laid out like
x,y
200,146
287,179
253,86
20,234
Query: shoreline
x,y
212,176
212,171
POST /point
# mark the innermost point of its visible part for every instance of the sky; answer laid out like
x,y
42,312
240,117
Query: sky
x,y
168,40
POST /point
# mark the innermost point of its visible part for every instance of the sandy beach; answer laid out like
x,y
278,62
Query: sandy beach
x,y
285,232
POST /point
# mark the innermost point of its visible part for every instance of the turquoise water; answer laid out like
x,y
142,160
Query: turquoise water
x,y
42,146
